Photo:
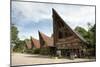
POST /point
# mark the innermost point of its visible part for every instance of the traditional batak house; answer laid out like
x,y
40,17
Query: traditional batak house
x,y
28,44
32,43
35,43
46,44
67,41
45,40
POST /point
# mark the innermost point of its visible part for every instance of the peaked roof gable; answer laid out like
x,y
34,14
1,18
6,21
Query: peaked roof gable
x,y
28,44
35,42
48,40
62,22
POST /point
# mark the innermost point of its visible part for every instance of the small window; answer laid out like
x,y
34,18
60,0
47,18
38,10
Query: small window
x,y
43,43
68,34
60,34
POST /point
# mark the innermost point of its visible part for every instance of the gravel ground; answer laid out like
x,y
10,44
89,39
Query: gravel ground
x,y
28,59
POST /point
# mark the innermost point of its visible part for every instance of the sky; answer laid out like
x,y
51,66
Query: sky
x,y
31,17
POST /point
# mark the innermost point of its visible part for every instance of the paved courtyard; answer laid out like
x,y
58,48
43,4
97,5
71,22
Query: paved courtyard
x,y
29,59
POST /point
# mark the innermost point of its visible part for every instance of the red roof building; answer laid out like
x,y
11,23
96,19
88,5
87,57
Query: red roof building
x,y
35,42
28,44
45,40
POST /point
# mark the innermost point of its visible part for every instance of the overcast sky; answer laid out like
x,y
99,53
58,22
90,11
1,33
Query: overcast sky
x,y
29,17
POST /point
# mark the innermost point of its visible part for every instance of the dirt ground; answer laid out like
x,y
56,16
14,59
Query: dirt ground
x,y
31,59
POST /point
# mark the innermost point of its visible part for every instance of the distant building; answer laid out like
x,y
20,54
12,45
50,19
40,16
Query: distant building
x,y
28,44
47,45
45,41
35,43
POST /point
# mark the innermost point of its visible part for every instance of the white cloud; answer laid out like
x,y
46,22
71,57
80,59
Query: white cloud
x,y
35,11
27,35
78,15
72,14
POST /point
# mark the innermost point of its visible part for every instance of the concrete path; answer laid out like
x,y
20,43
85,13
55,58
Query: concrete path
x,y
28,59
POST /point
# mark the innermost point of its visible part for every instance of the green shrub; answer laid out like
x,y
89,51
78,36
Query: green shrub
x,y
36,51
33,51
44,51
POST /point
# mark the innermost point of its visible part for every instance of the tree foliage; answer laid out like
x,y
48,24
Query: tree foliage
x,y
88,35
14,33
93,36
81,31
19,44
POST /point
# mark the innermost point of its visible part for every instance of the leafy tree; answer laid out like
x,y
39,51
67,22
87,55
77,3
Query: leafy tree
x,y
82,32
88,35
19,44
93,36
14,33
92,29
